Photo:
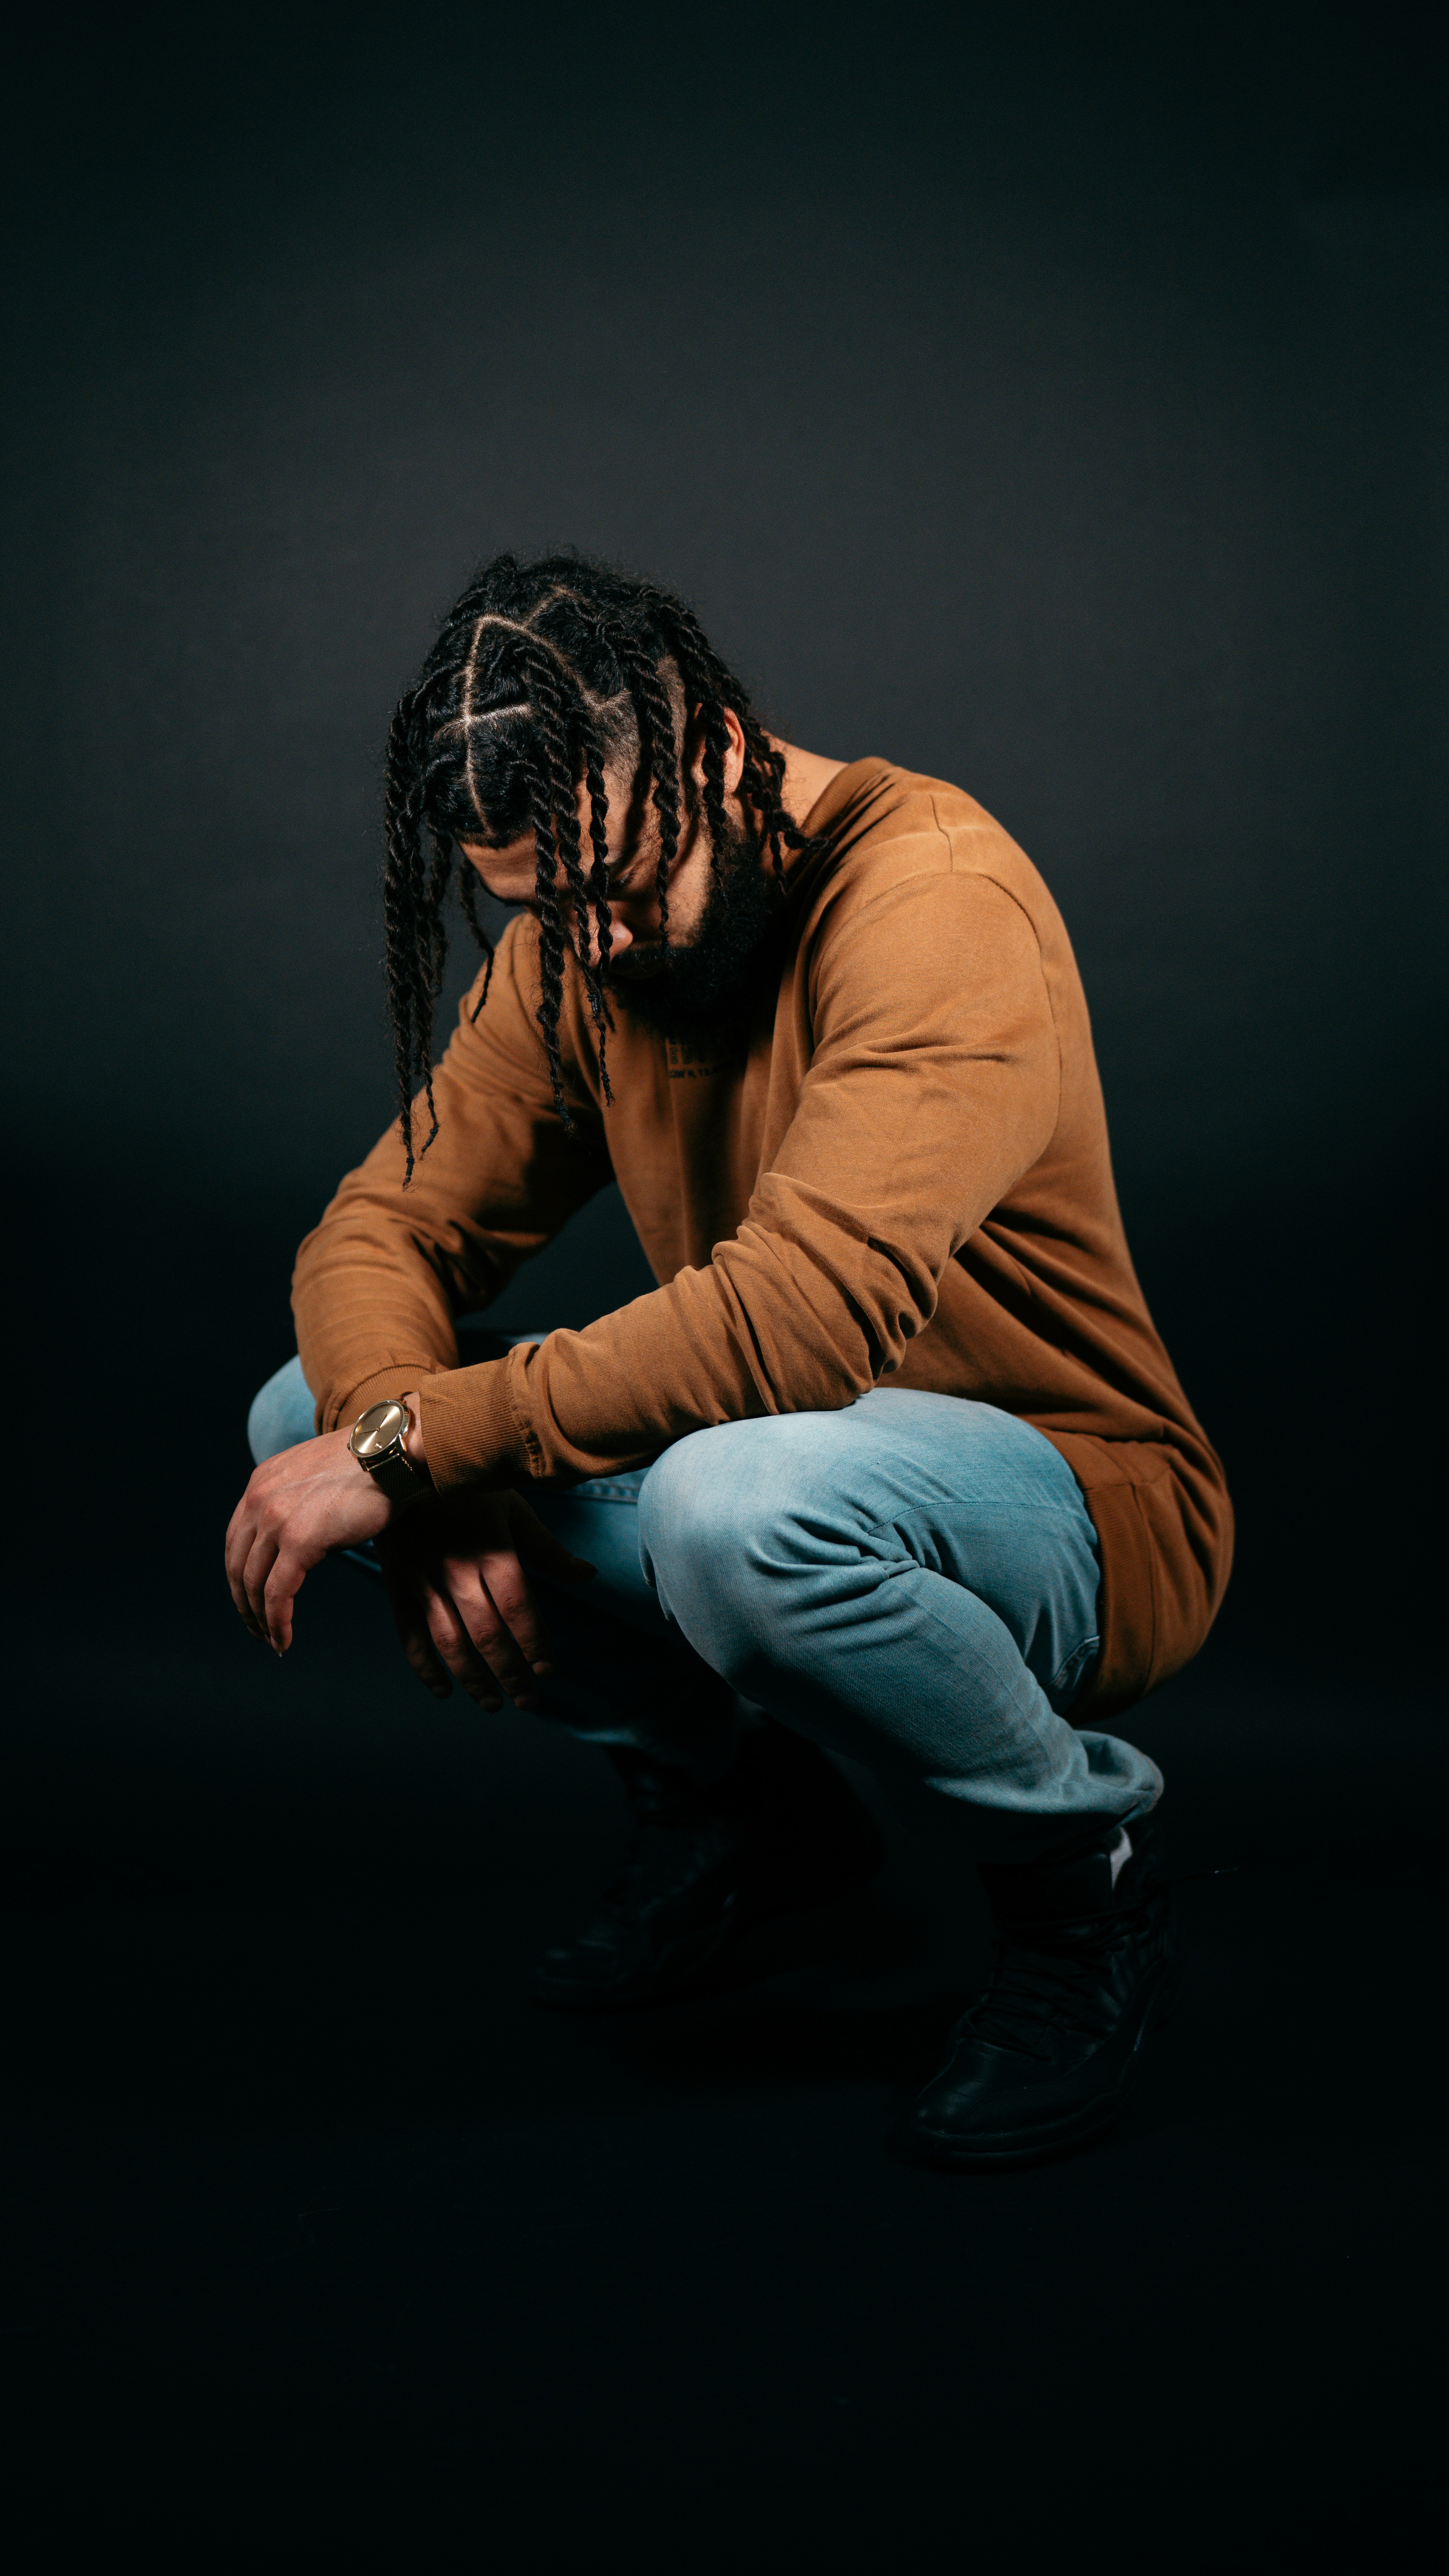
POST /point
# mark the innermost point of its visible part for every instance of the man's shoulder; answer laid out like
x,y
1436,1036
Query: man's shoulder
x,y
880,825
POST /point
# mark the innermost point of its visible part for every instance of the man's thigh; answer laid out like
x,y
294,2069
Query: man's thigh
x,y
967,1491
961,1489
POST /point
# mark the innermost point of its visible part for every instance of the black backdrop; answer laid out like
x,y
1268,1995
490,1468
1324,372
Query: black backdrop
x,y
1058,407
1063,417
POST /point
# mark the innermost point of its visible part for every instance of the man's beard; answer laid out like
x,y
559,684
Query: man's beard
x,y
705,993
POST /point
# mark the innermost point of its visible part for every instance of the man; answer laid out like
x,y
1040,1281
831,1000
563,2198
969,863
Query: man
x,y
891,1463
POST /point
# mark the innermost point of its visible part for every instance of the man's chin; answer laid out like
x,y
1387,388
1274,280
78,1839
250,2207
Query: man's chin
x,y
708,985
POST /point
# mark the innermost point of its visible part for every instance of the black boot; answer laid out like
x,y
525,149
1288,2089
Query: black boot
x,y
781,1833
1086,1966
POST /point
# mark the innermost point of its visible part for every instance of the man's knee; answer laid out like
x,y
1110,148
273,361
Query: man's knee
x,y
728,1508
704,1544
690,1504
282,1413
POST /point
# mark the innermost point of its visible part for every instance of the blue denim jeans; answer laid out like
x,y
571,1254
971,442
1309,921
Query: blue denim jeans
x,y
912,1581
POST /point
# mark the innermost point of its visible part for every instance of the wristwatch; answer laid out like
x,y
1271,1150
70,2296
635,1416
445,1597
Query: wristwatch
x,y
376,1442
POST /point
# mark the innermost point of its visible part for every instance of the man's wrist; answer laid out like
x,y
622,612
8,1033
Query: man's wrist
x,y
414,1445
387,1442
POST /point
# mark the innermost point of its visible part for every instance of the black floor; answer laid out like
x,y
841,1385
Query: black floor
x,y
326,2247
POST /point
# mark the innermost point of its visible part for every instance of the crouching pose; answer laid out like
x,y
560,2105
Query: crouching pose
x,y
890,1464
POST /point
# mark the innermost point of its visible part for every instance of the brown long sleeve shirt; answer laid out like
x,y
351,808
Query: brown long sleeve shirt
x,y
900,1178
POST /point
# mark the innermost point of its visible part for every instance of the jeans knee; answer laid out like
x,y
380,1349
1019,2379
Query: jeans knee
x,y
704,1521
695,1550
733,1526
686,1504
282,1413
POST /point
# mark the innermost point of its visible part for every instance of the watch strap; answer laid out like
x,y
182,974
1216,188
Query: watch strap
x,y
399,1479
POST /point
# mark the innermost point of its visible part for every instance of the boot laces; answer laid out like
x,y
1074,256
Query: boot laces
x,y
1038,1987
659,1859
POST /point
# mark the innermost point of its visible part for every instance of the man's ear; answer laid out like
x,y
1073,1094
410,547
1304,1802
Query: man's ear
x,y
734,767
735,756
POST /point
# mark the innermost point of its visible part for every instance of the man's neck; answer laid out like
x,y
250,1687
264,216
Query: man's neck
x,y
807,776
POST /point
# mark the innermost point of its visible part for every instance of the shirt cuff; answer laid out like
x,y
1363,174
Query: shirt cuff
x,y
341,1411
475,1428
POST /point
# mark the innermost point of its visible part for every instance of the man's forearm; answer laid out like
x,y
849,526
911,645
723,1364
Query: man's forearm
x,y
373,1317
378,1282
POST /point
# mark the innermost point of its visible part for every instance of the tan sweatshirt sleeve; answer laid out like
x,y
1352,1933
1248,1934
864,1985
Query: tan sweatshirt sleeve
x,y
932,1086
378,1283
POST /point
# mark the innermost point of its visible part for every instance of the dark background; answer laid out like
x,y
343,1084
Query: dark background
x,y
1056,406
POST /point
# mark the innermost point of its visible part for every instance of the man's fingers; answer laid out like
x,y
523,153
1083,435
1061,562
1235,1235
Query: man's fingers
x,y
238,1540
417,1646
261,1558
455,1648
492,1598
241,1533
519,1642
279,1593
454,1575
236,1584
410,1620
303,1504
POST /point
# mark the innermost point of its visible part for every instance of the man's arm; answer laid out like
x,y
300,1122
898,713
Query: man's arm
x,y
378,1283
934,1084
454,1567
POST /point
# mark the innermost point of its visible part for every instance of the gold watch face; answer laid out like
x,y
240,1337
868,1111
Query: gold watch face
x,y
377,1430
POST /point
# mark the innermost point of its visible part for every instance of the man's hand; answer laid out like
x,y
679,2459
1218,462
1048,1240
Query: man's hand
x,y
460,1596
299,1507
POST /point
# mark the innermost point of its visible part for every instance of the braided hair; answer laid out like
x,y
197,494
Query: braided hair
x,y
541,674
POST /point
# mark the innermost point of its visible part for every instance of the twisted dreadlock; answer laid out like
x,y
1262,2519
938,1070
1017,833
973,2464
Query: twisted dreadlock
x,y
542,673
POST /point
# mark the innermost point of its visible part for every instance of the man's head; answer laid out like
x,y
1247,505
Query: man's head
x,y
578,744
